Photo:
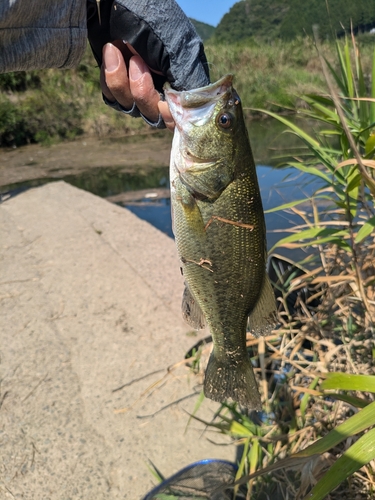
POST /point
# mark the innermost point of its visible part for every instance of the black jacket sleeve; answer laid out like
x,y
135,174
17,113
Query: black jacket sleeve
x,y
161,34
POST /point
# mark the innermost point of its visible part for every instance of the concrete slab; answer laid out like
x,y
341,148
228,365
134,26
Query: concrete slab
x,y
90,301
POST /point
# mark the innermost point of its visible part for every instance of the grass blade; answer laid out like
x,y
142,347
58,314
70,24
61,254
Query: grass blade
x,y
196,408
367,228
303,135
317,235
339,82
286,205
351,400
357,423
354,425
348,70
315,171
348,382
372,104
358,455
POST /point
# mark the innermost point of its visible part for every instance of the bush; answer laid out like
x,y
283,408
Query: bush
x,y
19,81
12,127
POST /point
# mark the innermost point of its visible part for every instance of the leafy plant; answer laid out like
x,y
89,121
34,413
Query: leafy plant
x,y
346,167
317,433
11,123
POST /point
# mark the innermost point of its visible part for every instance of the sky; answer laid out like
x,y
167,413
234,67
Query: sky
x,y
207,11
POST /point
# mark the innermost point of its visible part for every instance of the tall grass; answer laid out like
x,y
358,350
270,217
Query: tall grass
x,y
274,75
268,75
49,105
52,105
316,437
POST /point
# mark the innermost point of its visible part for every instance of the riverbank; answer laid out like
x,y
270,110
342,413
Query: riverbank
x,y
52,105
140,152
74,157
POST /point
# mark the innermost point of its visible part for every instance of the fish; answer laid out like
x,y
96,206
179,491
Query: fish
x,y
219,228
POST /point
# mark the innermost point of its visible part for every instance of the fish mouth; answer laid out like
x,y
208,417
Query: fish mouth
x,y
196,98
195,107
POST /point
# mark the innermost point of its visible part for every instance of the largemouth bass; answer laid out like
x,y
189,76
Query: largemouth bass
x,y
219,228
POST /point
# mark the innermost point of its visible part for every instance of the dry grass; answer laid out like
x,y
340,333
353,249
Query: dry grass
x,y
334,336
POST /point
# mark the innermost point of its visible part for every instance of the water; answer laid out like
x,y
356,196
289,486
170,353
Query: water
x,y
277,186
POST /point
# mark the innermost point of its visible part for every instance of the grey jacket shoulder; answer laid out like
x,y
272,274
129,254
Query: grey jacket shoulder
x,y
41,34
52,34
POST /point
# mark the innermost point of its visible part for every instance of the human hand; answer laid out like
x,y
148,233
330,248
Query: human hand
x,y
126,79
144,47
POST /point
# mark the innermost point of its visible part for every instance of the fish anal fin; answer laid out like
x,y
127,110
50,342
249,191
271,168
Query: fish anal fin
x,y
232,379
191,310
263,317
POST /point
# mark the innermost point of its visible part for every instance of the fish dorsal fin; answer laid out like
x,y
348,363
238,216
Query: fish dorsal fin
x,y
263,317
191,310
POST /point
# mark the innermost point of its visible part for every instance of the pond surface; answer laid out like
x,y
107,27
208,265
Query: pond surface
x,y
147,188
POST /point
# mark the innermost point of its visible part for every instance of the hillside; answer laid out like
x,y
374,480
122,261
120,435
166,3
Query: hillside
x,y
205,31
287,19
252,18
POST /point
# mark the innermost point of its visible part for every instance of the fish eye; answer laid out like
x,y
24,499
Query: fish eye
x,y
224,120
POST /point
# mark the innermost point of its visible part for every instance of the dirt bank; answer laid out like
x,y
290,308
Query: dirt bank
x,y
130,153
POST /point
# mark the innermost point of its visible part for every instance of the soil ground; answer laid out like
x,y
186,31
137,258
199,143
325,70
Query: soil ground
x,y
70,158
90,322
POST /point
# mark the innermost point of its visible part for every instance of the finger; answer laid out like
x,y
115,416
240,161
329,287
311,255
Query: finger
x,y
142,88
104,86
166,115
116,82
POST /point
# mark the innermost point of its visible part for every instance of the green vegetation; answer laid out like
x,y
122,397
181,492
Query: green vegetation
x,y
252,18
289,19
316,437
260,42
50,105
270,75
204,30
333,18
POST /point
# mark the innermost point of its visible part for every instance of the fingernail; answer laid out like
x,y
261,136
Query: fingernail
x,y
110,57
137,68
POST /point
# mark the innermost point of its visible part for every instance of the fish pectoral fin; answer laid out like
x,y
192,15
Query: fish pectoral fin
x,y
191,310
263,317
208,179
186,212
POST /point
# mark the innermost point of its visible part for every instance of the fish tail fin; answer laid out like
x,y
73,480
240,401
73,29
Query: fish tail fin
x,y
263,317
232,378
